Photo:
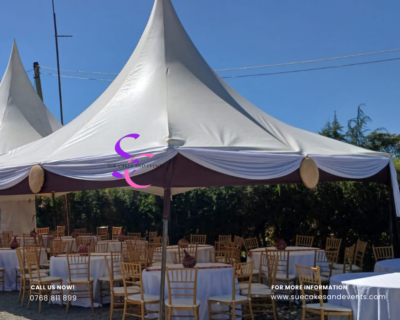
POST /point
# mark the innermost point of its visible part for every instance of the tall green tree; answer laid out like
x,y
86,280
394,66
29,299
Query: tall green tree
x,y
333,129
358,127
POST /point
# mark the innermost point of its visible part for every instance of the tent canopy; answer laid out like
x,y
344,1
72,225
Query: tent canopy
x,y
191,121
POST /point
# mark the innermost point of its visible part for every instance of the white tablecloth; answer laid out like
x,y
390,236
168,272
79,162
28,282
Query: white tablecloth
x,y
9,261
203,253
388,266
113,245
213,279
98,268
361,295
303,256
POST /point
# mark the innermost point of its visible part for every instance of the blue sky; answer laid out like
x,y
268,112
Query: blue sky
x,y
229,33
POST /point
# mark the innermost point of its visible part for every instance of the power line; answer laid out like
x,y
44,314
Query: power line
x,y
311,69
80,71
72,77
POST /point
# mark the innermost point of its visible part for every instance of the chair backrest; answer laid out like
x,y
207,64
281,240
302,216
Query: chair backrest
x,y
221,256
250,243
322,261
21,261
310,281
333,244
159,240
7,234
138,254
238,241
242,273
116,231
383,253
198,238
283,260
182,283
152,235
268,269
32,258
61,231
133,235
359,253
59,247
28,240
304,241
80,240
221,245
102,232
225,238
80,230
156,252
191,249
78,265
348,259
132,277
54,234
113,265
235,252
98,248
42,231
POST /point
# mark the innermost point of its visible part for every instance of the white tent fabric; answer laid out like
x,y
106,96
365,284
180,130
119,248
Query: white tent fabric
x,y
23,119
169,95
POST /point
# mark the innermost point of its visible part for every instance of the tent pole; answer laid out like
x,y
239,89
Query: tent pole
x,y
166,217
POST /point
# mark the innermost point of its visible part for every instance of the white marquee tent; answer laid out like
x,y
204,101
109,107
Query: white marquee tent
x,y
23,119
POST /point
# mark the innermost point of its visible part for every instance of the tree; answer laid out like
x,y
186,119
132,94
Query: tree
x,y
333,129
385,142
357,127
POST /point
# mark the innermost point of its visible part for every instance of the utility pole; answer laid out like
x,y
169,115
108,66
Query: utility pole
x,y
58,62
38,84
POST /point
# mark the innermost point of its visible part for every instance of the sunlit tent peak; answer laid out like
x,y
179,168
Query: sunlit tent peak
x,y
23,116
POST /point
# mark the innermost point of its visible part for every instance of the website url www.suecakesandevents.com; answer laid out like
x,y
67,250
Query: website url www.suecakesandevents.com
x,y
327,297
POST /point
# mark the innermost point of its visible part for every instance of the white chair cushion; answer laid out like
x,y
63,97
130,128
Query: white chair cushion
x,y
121,290
258,286
327,307
258,291
282,276
182,303
27,276
340,266
107,279
334,272
256,271
79,280
228,298
48,279
146,298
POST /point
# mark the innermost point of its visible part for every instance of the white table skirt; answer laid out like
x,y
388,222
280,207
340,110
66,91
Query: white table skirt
x,y
9,261
367,286
203,253
303,256
388,266
98,268
211,281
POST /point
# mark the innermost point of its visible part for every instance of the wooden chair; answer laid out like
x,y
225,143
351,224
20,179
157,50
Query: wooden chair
x,y
98,248
80,231
182,295
156,253
159,240
2,281
262,292
138,254
60,231
81,240
41,231
7,234
152,235
321,260
242,273
102,233
383,253
225,238
333,244
331,257
250,243
361,247
191,249
304,241
311,278
54,235
238,241
57,247
116,231
78,276
134,235
28,240
236,254
221,256
222,245
40,282
347,265
198,238
132,277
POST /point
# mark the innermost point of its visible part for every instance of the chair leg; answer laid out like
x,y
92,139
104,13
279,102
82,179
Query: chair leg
x,y
40,301
29,298
303,314
111,306
251,310
168,313
91,295
101,292
209,310
142,313
233,308
23,283
196,316
124,314
274,310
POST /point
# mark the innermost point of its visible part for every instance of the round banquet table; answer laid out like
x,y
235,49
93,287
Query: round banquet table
x,y
213,279
359,291
98,268
203,253
302,256
388,266
9,261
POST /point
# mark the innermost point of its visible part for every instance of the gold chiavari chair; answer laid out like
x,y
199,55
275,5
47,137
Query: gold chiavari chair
x,y
225,238
238,241
8,234
39,284
80,231
117,293
152,235
242,274
383,253
191,249
250,243
28,240
156,253
333,244
60,231
159,240
182,295
116,231
83,240
98,248
198,238
78,276
57,247
138,253
236,254
221,245
262,292
102,233
304,241
310,278
221,256
42,231
54,235
321,260
332,257
347,265
132,277
5,240
361,247
134,235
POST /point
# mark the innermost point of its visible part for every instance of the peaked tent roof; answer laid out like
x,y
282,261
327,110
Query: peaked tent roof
x,y
183,111
23,116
